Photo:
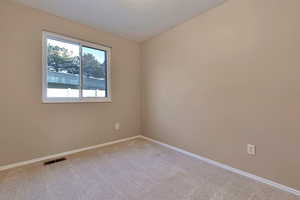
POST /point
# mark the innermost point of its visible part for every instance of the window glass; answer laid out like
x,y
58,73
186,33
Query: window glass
x,y
94,72
63,69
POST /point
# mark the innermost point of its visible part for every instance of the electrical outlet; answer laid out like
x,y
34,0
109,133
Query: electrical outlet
x,y
251,149
117,126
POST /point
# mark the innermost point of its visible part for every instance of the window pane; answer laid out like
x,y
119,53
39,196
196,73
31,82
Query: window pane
x,y
63,69
94,72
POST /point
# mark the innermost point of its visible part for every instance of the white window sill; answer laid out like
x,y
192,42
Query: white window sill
x,y
78,100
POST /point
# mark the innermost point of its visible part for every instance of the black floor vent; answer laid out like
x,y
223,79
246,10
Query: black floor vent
x,y
54,161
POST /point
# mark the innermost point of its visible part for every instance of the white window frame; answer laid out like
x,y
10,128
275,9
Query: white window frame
x,y
46,99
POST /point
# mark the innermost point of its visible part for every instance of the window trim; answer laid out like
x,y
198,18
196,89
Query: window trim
x,y
81,43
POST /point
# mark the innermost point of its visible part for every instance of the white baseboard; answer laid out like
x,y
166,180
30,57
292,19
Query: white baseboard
x,y
19,164
226,167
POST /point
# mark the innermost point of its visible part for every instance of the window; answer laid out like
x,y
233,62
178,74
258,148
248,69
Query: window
x,y
75,70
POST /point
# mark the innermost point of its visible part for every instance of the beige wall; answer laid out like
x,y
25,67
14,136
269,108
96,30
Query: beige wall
x,y
228,78
30,129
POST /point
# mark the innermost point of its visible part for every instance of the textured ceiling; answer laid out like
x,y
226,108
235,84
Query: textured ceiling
x,y
133,19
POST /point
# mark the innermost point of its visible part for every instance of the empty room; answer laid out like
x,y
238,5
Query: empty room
x,y
150,100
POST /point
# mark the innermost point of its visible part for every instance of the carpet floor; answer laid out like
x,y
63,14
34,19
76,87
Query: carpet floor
x,y
134,170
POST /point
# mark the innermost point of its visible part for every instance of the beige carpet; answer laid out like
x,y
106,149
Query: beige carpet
x,y
135,170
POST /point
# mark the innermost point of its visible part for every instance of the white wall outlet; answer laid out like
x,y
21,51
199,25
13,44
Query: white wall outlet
x,y
251,149
117,126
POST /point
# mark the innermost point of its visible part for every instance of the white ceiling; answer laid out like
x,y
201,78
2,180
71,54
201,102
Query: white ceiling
x,y
133,19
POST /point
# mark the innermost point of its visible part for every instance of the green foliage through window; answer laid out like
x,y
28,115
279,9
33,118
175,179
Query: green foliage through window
x,y
61,59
